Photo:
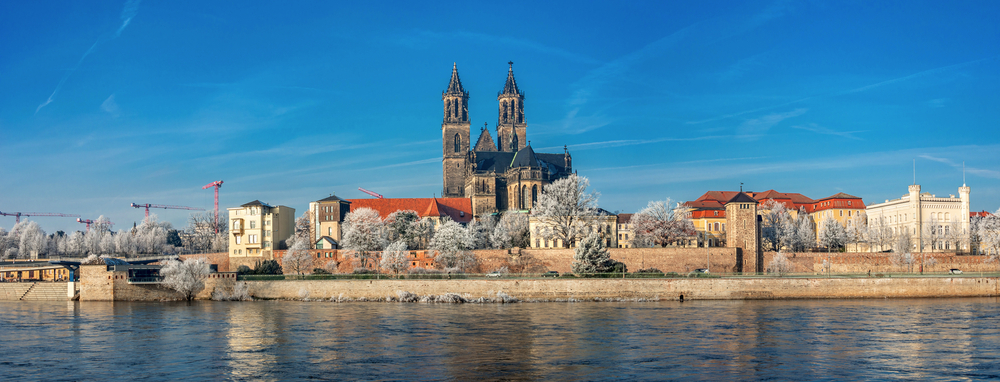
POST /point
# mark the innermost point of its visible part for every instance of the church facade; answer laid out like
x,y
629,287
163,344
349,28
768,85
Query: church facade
x,y
500,175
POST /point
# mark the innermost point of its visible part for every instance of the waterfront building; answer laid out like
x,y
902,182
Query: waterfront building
x,y
708,212
935,224
625,232
744,232
326,217
256,229
604,223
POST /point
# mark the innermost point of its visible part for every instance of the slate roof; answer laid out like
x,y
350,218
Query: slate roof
x,y
458,209
742,197
256,203
624,218
332,198
500,162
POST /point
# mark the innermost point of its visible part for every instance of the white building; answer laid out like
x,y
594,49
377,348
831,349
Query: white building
x,y
931,221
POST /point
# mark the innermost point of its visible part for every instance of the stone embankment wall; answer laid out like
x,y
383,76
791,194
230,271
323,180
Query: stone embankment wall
x,y
99,284
862,262
663,289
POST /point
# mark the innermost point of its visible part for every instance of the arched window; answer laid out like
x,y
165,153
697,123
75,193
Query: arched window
x,y
458,143
947,216
513,143
534,195
716,227
524,196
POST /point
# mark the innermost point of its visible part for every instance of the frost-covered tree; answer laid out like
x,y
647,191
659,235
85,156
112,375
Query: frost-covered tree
x,y
662,223
774,218
798,234
512,230
150,236
395,257
903,242
565,208
857,231
481,230
298,259
205,233
832,235
987,236
32,240
779,264
363,235
879,233
453,243
904,260
403,225
187,277
591,256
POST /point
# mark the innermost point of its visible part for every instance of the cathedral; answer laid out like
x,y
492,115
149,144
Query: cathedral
x,y
497,176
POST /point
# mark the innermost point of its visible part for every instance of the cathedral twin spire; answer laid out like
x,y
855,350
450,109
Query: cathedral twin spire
x,y
510,118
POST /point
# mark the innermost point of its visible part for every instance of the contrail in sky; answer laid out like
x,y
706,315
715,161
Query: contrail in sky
x,y
128,12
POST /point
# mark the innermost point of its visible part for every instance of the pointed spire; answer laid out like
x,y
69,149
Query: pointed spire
x,y
485,142
511,86
455,85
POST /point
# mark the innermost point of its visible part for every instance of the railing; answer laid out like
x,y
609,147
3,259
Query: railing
x,y
145,280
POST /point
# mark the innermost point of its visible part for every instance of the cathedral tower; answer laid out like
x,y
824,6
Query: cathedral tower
x,y
511,129
455,136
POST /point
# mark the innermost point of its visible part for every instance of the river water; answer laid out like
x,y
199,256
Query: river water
x,y
946,339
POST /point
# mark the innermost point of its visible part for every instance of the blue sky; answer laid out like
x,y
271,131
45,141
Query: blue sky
x,y
103,104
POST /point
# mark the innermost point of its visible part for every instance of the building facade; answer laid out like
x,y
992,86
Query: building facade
x,y
625,232
256,229
934,224
604,223
326,217
501,175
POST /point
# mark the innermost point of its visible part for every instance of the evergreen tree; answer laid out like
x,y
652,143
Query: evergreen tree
x,y
591,256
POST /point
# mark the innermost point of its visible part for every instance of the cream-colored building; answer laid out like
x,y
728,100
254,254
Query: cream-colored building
x,y
625,232
326,218
922,215
604,224
256,228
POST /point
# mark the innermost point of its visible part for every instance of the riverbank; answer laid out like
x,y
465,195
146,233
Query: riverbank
x,y
764,288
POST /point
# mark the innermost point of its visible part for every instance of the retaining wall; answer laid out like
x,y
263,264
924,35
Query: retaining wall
x,y
664,289
99,284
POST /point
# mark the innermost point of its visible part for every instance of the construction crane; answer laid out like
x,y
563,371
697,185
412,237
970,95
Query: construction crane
x,y
88,222
147,206
215,184
372,193
17,215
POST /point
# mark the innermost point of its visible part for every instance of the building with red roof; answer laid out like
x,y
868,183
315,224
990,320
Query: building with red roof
x,y
436,209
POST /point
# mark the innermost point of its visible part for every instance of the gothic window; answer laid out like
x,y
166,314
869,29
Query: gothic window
x,y
513,144
534,195
458,143
524,195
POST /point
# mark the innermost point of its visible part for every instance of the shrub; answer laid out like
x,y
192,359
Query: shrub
x,y
267,267
320,271
244,270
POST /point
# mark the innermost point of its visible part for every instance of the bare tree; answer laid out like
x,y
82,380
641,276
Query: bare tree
x,y
661,223
363,235
186,277
987,230
857,232
565,208
205,233
879,233
395,257
32,240
453,243
779,264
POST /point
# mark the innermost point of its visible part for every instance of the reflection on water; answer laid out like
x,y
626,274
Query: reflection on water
x,y
280,340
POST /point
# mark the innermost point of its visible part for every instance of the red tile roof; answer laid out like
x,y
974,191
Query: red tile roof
x,y
791,200
458,209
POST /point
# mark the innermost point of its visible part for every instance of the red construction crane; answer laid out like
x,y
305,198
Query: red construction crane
x,y
88,222
17,215
372,193
147,206
215,184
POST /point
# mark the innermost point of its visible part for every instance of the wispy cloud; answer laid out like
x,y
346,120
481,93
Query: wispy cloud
x,y
971,170
914,76
129,11
759,126
627,142
823,130
110,106
419,38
